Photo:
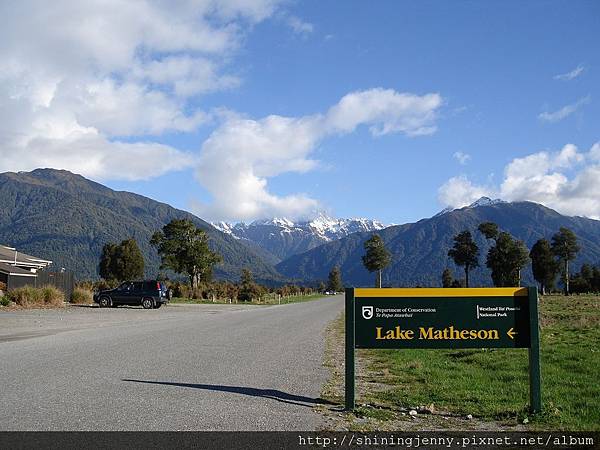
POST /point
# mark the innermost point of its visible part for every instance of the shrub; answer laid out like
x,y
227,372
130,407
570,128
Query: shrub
x,y
26,296
52,296
82,296
4,301
30,296
2,287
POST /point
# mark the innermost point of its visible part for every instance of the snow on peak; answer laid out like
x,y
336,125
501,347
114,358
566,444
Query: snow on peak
x,y
485,201
482,201
324,226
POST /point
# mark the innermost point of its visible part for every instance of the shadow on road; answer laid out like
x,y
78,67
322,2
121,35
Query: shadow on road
x,y
272,394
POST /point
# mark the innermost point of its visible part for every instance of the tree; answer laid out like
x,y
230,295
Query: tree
x,y
107,262
506,259
447,278
321,288
121,262
465,253
334,282
543,264
489,230
248,288
565,248
377,256
183,248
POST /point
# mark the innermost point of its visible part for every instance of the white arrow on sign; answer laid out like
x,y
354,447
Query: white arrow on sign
x,y
511,333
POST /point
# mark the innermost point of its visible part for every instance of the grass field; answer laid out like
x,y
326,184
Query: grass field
x,y
268,301
493,384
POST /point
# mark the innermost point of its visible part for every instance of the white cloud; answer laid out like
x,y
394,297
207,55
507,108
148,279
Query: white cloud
x,y
462,157
459,191
299,26
239,157
570,75
567,180
78,74
564,112
385,111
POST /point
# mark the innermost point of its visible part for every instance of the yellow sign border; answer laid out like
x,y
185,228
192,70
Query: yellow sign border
x,y
440,292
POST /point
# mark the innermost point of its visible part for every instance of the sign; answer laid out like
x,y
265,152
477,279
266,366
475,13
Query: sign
x,y
441,318
432,318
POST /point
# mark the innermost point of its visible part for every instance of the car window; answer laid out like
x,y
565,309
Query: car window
x,y
123,286
138,286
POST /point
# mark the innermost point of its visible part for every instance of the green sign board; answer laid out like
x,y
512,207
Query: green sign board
x,y
443,318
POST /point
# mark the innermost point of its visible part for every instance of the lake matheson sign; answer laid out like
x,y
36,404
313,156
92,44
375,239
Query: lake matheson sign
x,y
443,318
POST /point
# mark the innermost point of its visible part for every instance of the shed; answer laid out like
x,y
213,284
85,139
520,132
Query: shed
x,y
15,277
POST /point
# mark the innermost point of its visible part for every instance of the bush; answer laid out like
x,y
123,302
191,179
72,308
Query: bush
x,y
82,296
30,296
52,296
2,287
4,301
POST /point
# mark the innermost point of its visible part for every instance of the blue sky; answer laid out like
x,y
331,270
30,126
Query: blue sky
x,y
452,100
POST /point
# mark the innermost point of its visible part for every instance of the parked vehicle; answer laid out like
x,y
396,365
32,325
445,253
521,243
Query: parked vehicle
x,y
150,294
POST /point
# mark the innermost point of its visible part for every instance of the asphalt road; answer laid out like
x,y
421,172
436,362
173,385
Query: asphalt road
x,y
182,367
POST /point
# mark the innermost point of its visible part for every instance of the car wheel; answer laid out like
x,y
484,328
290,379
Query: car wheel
x,y
104,302
147,303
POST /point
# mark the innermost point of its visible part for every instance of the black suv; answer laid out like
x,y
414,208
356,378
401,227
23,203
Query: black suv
x,y
150,294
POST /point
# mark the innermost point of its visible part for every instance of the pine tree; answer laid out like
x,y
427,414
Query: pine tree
x,y
122,261
565,248
543,264
106,267
248,288
506,258
447,278
376,257
465,253
334,283
129,261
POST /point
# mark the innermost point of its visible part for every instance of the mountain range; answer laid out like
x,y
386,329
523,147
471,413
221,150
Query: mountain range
x,y
284,238
420,250
66,218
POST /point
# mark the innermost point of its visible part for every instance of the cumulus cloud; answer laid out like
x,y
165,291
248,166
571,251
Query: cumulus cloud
x,y
105,73
564,112
567,180
570,75
240,156
385,111
462,157
460,191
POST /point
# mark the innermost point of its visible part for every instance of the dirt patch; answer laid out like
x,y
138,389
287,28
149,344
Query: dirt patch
x,y
379,417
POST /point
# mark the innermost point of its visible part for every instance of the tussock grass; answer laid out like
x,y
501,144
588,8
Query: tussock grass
x,y
82,296
29,296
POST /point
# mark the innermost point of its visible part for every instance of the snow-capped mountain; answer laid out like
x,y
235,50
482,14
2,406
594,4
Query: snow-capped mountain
x,y
482,201
283,237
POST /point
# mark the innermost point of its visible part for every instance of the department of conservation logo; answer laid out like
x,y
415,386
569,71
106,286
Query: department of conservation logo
x,y
367,312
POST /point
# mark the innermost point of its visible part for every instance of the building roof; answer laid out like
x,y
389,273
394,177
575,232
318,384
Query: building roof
x,y
16,271
9,255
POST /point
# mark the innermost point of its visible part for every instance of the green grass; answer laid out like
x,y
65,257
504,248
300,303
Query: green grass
x,y
493,384
293,299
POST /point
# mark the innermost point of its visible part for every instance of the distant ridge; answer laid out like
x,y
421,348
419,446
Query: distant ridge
x,y
64,217
283,237
420,250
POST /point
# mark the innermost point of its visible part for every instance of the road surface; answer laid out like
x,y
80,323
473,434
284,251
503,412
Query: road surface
x,y
182,367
